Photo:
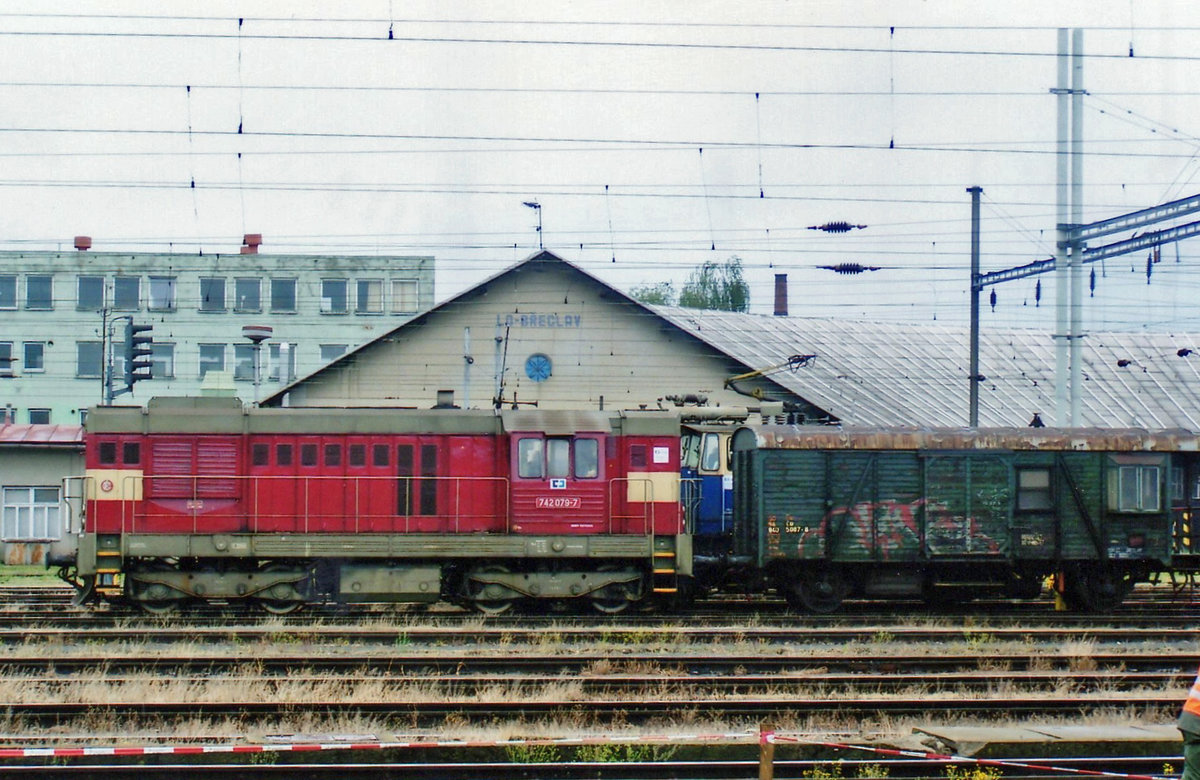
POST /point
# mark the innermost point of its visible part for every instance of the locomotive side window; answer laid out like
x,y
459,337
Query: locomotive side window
x,y
308,454
283,454
530,460
1033,490
404,470
429,486
1137,489
379,455
637,456
131,453
1176,486
1196,488
260,454
558,458
357,455
587,458
108,452
333,454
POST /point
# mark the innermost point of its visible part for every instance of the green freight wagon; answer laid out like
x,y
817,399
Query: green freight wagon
x,y
826,513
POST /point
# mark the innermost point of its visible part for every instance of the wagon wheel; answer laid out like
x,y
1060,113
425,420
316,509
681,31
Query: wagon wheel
x,y
1096,587
616,598
821,591
489,598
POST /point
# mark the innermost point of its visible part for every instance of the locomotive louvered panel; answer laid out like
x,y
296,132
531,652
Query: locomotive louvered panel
x,y
170,457
967,500
216,459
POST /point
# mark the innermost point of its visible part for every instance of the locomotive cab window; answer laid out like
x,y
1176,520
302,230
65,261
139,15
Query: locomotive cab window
x,y
1033,490
131,453
108,453
710,453
558,458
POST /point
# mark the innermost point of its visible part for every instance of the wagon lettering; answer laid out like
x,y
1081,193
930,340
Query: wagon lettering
x,y
558,502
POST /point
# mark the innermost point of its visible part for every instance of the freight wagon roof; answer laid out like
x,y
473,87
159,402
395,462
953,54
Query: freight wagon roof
x,y
867,438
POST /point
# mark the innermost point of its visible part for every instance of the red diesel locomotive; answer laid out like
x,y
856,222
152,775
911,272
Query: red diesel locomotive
x,y
200,499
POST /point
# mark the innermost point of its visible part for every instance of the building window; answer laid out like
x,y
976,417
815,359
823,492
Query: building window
x,y
39,416
281,362
334,296
162,360
247,294
243,362
34,358
370,296
404,296
31,514
88,359
90,293
6,358
212,358
332,352
162,293
8,291
212,294
1138,489
283,295
127,293
39,292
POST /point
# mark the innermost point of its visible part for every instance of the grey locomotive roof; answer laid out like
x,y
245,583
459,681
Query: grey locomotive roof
x,y
873,373
1054,439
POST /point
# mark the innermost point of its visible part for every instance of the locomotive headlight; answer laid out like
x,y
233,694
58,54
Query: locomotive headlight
x,y
1137,540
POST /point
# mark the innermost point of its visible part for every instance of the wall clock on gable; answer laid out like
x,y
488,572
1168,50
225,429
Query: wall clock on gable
x,y
538,367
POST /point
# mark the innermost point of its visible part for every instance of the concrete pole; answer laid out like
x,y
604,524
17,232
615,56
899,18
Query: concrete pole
x,y
1061,398
974,371
1076,340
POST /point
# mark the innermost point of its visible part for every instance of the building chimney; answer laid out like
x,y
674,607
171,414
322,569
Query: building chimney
x,y
781,295
250,243
83,243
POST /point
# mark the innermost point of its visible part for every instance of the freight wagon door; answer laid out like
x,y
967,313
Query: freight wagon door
x,y
558,484
967,501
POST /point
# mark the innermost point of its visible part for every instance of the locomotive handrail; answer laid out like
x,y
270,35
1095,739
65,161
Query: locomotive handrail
x,y
249,510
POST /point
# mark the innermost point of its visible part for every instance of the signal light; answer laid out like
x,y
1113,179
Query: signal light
x,y
138,353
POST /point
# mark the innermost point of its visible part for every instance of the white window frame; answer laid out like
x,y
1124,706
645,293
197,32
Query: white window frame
x,y
364,301
398,298
25,518
157,301
31,366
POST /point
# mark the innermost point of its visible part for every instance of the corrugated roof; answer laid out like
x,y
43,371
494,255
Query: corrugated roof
x,y
874,373
41,435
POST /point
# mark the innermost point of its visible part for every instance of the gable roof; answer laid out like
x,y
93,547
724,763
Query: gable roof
x,y
875,373
886,373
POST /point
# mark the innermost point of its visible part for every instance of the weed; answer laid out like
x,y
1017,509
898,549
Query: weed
x,y
977,641
882,637
610,753
533,754
972,773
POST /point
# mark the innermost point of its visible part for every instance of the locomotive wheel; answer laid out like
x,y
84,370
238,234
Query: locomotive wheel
x,y
821,592
615,598
279,607
490,599
280,598
156,599
1094,587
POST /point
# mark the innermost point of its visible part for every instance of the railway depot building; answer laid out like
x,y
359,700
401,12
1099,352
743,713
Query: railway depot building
x,y
61,308
546,333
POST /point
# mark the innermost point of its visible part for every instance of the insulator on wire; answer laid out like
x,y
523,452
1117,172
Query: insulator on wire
x,y
993,300
1092,284
836,227
848,268
1037,294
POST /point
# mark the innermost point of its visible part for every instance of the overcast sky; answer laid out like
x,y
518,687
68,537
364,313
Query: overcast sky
x,y
654,135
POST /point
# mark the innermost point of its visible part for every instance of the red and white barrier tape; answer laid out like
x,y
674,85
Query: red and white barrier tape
x,y
779,738
737,737
748,737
